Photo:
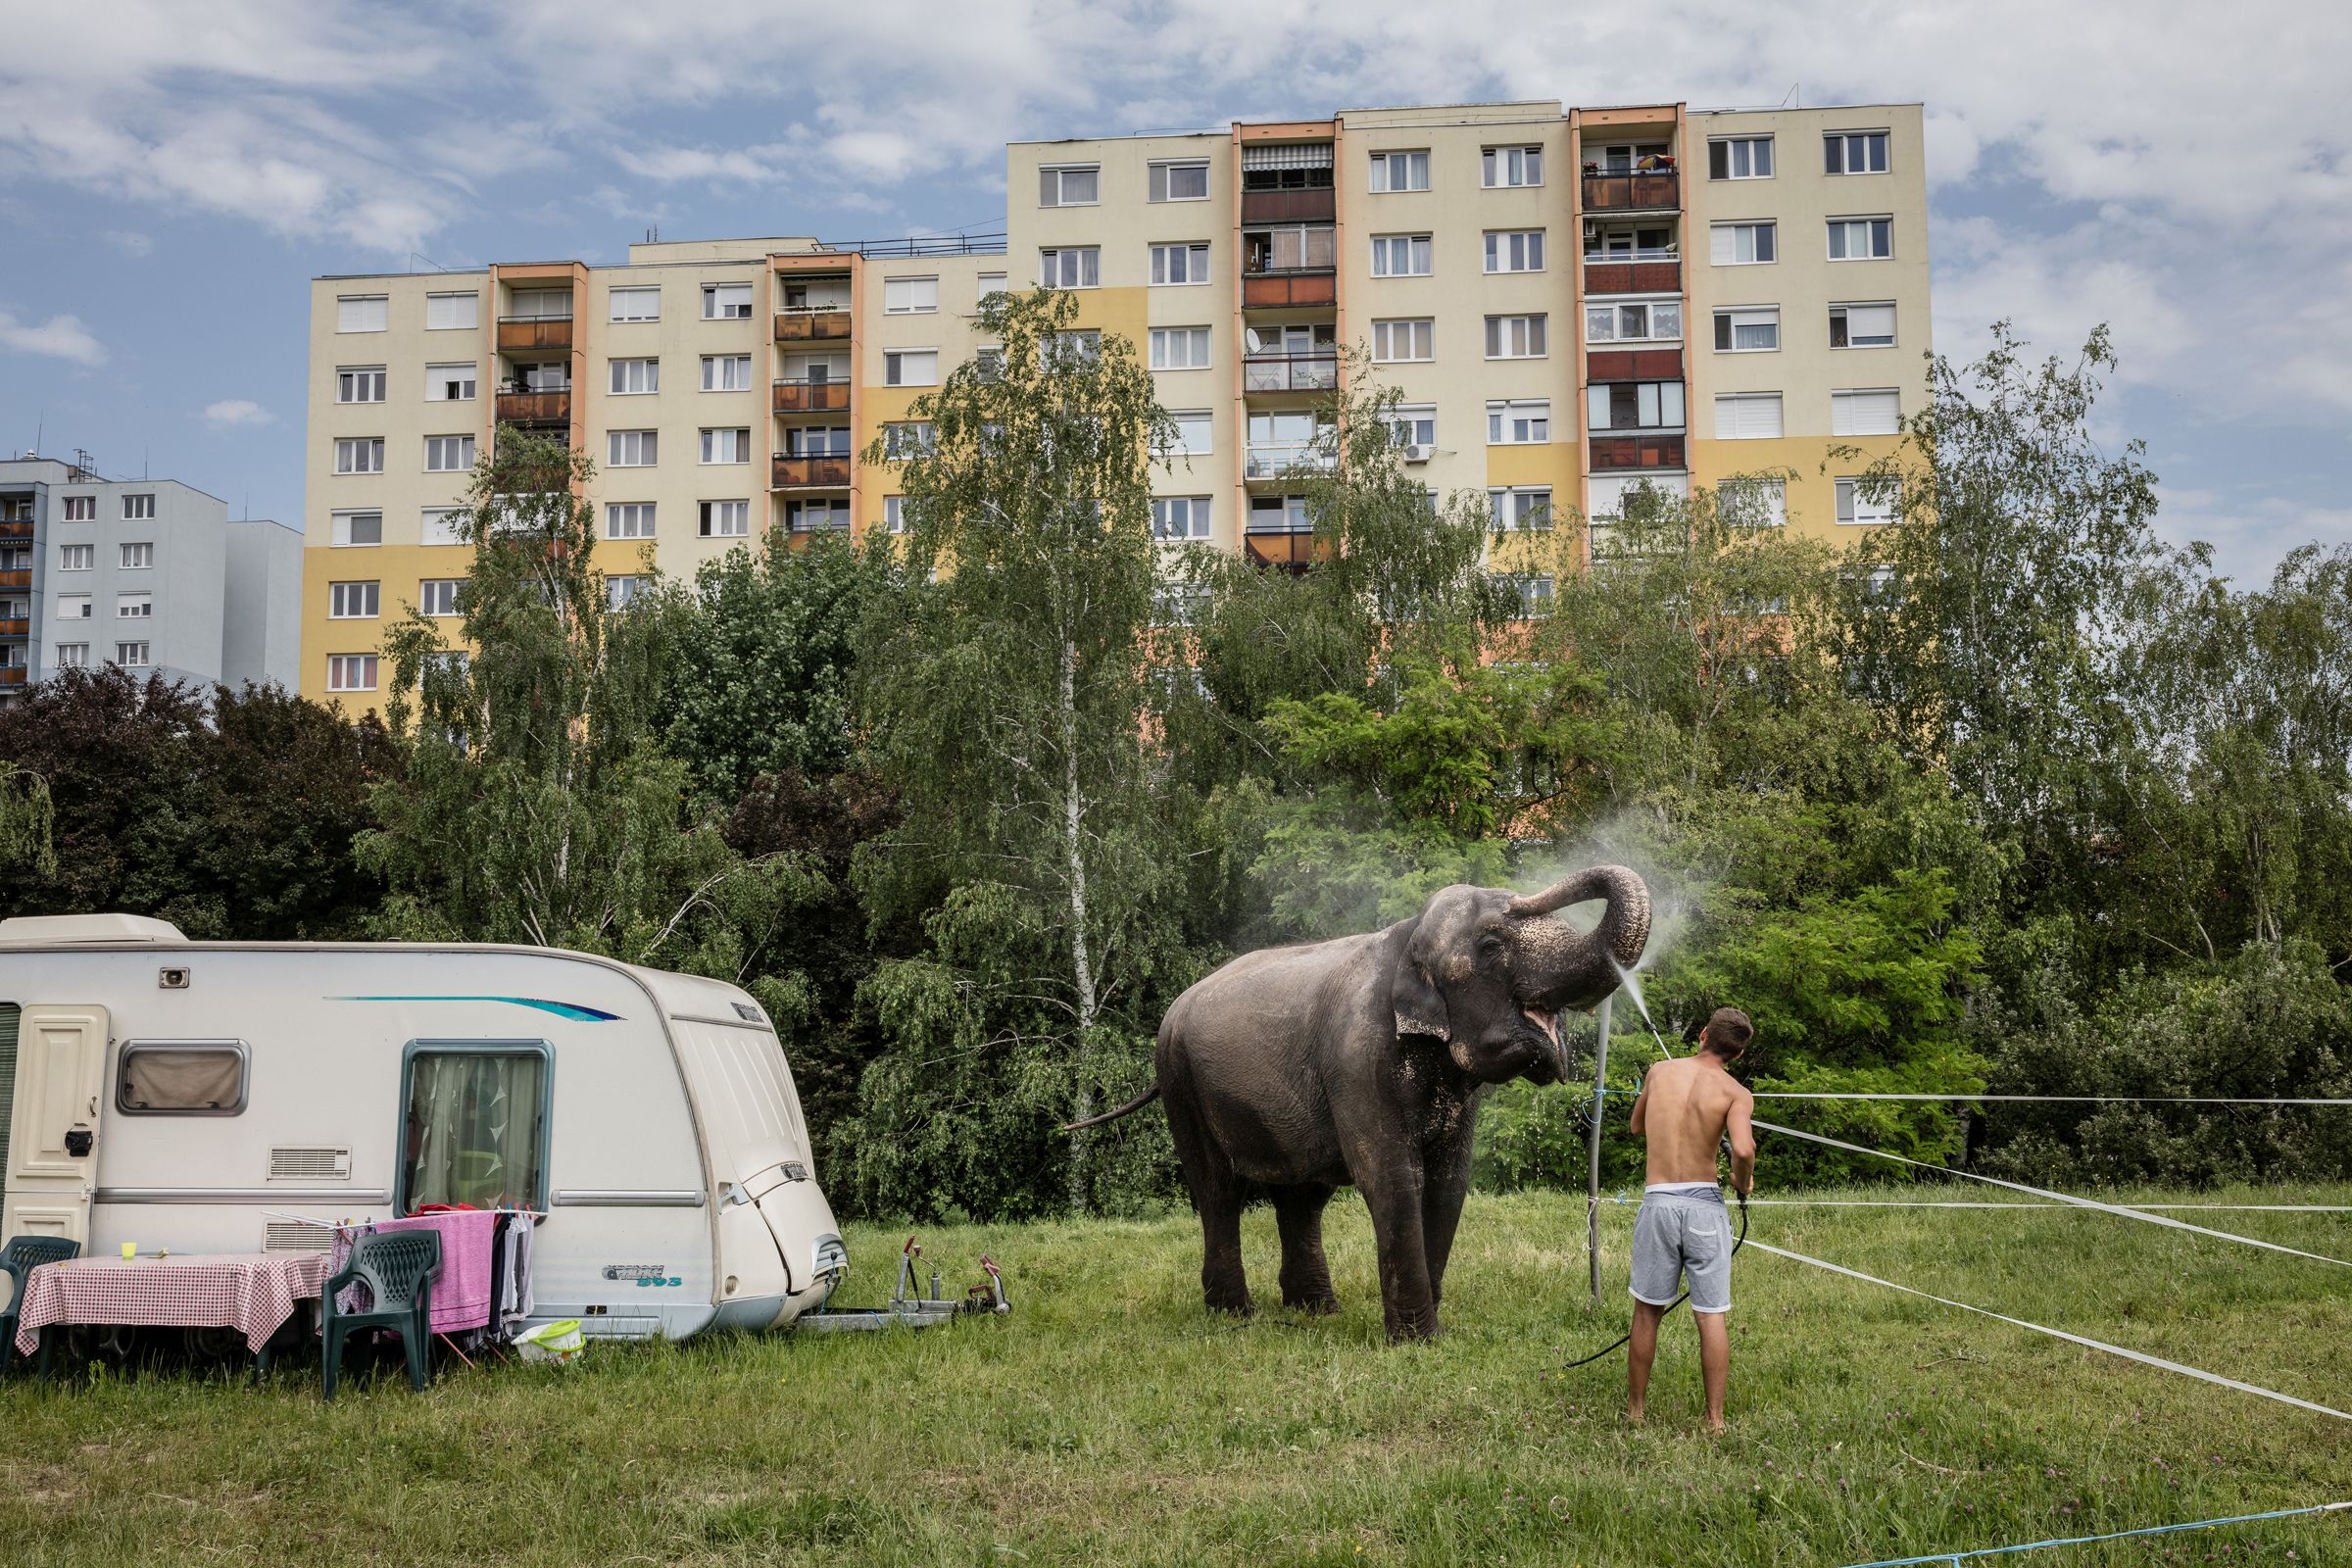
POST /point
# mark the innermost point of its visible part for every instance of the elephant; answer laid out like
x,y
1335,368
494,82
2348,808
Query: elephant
x,y
1292,1071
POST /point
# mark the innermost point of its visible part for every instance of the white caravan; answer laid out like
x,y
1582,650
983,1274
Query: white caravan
x,y
191,1095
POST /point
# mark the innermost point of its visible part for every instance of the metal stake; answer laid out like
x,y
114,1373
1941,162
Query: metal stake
x,y
1600,1077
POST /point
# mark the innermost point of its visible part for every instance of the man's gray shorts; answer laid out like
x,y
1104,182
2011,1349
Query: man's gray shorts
x,y
1679,1233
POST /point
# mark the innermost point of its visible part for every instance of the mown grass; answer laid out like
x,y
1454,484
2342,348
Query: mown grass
x,y
1109,1420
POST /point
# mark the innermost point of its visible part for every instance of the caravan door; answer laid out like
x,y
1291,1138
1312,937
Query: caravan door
x,y
52,1164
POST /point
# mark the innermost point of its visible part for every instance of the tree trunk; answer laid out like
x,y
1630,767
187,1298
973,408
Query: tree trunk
x,y
1082,969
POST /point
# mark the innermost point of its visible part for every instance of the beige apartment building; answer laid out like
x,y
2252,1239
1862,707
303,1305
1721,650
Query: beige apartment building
x,y
1569,301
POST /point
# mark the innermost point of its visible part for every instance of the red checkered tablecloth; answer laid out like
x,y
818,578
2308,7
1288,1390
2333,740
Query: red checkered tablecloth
x,y
251,1292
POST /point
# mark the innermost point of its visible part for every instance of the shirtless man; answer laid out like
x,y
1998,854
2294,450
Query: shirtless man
x,y
1687,1106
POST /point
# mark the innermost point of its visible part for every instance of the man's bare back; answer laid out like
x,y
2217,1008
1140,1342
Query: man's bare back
x,y
1686,1108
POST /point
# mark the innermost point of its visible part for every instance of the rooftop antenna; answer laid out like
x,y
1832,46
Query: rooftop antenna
x,y
652,234
1794,96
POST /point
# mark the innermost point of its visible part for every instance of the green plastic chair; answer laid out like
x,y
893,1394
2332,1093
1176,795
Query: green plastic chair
x,y
18,1259
397,1268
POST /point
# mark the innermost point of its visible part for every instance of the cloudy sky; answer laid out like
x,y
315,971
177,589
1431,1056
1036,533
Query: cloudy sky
x,y
172,172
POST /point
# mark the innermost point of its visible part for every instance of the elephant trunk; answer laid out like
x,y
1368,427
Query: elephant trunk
x,y
1573,968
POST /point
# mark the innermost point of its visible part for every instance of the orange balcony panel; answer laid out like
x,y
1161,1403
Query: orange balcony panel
x,y
813,397
1633,277
809,473
1637,451
1278,291
1633,194
14,675
17,579
16,628
1291,551
812,327
1635,365
534,408
1289,206
523,334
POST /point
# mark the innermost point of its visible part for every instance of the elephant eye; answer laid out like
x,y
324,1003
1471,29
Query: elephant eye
x,y
1488,942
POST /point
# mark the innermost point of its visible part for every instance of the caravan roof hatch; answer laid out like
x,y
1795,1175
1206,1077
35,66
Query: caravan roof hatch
x,y
61,928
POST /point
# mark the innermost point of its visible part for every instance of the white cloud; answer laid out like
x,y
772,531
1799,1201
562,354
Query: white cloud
x,y
131,242
230,414
61,337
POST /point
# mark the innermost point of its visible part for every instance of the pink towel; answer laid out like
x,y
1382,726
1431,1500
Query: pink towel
x,y
462,1290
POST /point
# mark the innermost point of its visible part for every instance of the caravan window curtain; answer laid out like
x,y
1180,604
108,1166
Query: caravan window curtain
x,y
474,1128
193,1078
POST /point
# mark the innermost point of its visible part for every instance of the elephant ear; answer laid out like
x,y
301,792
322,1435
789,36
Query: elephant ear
x,y
1420,1008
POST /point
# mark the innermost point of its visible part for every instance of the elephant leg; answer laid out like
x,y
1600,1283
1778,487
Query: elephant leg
x,y
1445,1186
1305,1275
1407,1305
1217,1194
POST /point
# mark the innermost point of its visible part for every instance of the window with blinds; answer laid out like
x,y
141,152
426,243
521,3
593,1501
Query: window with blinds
x,y
363,313
449,312
1861,326
1748,416
1876,412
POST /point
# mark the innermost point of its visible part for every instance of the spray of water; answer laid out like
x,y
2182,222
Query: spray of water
x,y
1629,982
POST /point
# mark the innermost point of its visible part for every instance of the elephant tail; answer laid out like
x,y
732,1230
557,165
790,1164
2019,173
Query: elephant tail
x,y
1137,1103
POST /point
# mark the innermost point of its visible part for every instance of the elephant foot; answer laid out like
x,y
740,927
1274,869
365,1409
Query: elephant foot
x,y
1233,1305
1321,1303
1405,1328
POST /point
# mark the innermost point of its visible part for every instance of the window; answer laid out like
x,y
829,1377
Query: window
x,y
1515,251
817,441
475,1126
438,596
629,520
1511,166
438,525
726,446
1748,416
1535,594
622,592
723,520
1635,406
1291,248
726,372
555,376
1180,348
1627,156
637,303
633,449
1393,342
1754,330
1514,337
1741,244
363,313
131,655
1861,239
452,313
1871,413
351,601
448,453
360,384
817,515
1862,502
1180,517
141,508
1180,263
82,508
1739,158
894,514
911,367
72,656
449,383
134,607
1522,423
1179,183
1082,347
542,304
74,606
991,283
1521,509
726,301
1287,166
135,556
1194,430
1071,269
75,557
1075,186
1279,515
910,296
911,438
1753,502
358,455
1854,152
1401,256
1414,425
1395,172
357,528
1635,322
1861,326
636,377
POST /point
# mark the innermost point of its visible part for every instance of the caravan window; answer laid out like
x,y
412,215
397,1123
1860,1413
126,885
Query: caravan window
x,y
181,1078
474,1125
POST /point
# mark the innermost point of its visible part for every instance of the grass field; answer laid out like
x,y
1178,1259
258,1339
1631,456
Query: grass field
x,y
1109,1420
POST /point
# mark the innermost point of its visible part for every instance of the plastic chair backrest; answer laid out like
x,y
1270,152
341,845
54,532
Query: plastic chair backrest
x,y
394,1263
25,1253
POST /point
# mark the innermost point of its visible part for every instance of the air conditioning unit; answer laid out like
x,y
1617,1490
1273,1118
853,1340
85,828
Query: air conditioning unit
x,y
1417,452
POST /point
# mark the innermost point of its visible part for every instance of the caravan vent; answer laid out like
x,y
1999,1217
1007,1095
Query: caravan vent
x,y
299,1163
286,1236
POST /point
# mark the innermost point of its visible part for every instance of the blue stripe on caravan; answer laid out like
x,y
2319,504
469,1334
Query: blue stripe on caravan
x,y
561,1010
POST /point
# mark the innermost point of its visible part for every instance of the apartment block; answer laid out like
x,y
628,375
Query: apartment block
x,y
1569,301
150,575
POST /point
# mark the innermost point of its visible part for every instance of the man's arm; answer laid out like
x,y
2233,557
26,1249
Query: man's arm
x,y
1640,1103
1741,1131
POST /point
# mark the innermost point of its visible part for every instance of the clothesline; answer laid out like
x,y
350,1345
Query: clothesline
x,y
353,1224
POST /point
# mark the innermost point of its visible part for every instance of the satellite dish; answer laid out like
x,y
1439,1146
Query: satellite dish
x,y
1251,337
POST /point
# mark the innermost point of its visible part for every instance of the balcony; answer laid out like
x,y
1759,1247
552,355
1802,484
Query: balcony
x,y
1289,205
1633,192
1291,290
813,323
1635,365
812,397
13,676
524,334
16,528
1275,461
1295,372
1635,451
535,407
1291,550
809,473
19,578
16,628
1642,273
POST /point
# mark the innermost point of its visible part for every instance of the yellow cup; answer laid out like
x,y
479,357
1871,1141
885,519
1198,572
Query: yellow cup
x,y
130,1250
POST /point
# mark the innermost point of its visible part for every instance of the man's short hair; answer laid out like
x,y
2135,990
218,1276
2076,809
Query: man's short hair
x,y
1727,1033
